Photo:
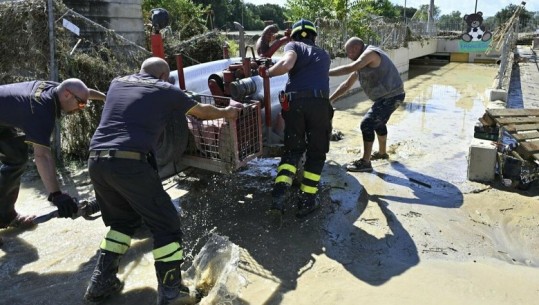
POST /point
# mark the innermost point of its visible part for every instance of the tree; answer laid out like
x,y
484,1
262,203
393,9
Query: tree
x,y
409,13
272,12
237,13
490,23
507,12
186,18
309,9
453,21
384,8
251,17
422,14
363,16
221,11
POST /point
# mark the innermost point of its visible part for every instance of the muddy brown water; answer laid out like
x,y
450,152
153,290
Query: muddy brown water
x,y
366,223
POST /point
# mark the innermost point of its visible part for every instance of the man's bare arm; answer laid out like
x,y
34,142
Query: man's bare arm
x,y
343,87
368,58
96,95
284,65
46,167
210,112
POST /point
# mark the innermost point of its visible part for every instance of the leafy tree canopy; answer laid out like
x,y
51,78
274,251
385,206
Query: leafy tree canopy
x,y
507,12
422,14
451,21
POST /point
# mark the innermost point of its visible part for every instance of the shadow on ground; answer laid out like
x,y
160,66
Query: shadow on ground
x,y
283,249
54,287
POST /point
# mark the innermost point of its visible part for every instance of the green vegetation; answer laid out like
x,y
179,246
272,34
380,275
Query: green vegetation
x,y
187,18
353,17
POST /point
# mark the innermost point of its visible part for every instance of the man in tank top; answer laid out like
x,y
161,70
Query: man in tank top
x,y
381,81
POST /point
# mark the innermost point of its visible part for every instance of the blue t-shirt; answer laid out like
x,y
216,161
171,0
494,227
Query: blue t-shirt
x,y
311,70
136,112
31,107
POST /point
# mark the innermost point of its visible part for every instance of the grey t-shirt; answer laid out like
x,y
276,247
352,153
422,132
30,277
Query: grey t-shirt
x,y
383,81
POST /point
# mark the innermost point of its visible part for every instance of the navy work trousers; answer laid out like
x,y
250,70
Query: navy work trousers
x,y
307,130
13,161
130,192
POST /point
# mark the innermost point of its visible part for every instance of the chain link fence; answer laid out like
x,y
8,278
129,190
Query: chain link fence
x,y
332,34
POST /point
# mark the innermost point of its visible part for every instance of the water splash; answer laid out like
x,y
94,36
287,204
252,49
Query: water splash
x,y
213,272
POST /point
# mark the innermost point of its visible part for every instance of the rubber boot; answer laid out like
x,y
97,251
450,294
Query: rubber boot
x,y
104,282
307,204
170,290
278,197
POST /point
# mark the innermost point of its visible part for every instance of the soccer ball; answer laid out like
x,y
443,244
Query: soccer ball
x,y
476,34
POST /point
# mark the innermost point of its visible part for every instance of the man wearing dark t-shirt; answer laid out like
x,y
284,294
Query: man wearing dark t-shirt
x,y
28,112
307,114
128,188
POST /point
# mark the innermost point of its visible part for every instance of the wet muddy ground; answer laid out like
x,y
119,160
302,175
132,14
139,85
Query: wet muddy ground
x,y
415,231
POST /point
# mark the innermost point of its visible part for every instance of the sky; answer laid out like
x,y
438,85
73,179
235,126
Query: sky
x,y
488,7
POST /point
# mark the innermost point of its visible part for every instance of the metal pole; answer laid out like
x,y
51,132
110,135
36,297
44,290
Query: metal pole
x,y
404,12
430,21
242,39
475,11
53,76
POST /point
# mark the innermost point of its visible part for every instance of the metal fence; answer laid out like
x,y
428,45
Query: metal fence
x,y
387,35
507,44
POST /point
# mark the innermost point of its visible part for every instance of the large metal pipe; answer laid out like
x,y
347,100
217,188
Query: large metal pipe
x,y
196,80
267,108
179,65
242,39
242,88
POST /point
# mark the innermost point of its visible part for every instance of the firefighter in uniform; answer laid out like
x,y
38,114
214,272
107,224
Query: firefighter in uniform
x,y
127,186
307,114
28,112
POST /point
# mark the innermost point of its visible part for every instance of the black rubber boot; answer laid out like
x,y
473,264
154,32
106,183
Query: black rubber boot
x,y
277,204
308,203
170,290
104,282
278,197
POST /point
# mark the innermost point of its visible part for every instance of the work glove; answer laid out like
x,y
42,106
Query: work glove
x,y
263,72
67,207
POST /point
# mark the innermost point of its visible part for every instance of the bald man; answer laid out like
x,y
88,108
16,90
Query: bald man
x,y
28,112
381,82
127,186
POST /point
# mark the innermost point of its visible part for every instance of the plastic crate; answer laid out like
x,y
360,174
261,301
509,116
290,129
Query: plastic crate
x,y
224,145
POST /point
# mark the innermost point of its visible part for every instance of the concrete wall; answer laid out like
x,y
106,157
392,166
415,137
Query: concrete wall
x,y
452,46
400,57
